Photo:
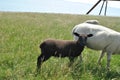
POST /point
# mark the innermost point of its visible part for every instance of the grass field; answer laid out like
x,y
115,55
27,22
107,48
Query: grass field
x,y
21,35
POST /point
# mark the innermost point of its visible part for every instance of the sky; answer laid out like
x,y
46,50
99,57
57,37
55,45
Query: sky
x,y
59,6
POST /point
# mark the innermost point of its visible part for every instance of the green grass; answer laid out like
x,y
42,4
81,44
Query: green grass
x,y
21,35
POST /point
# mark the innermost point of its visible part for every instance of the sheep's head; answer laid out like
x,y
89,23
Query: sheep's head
x,y
82,38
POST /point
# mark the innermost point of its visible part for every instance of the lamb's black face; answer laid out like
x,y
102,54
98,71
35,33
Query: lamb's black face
x,y
82,39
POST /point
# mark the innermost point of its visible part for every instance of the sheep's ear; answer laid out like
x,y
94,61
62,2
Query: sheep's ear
x,y
89,35
76,34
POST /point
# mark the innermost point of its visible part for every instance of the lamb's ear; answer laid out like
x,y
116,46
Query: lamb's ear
x,y
89,35
76,34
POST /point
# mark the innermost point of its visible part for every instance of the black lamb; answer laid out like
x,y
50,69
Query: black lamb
x,y
62,48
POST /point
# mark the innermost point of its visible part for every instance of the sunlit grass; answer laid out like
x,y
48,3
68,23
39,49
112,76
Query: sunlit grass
x,y
21,35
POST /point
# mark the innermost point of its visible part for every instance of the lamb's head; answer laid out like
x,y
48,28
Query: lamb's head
x,y
82,38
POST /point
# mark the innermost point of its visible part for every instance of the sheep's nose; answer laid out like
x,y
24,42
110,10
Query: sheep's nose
x,y
84,40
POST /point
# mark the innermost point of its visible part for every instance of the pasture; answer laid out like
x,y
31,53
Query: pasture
x,y
22,33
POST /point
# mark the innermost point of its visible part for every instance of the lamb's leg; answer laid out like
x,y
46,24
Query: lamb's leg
x,y
81,58
101,56
41,59
71,59
108,59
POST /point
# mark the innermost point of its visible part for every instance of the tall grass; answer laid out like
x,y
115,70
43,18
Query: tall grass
x,y
21,35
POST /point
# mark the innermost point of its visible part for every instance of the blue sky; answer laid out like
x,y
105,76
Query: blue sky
x,y
58,6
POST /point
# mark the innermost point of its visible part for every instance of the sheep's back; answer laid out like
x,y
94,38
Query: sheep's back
x,y
86,28
101,35
57,47
56,43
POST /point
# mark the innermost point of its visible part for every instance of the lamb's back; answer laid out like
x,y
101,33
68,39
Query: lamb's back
x,y
57,43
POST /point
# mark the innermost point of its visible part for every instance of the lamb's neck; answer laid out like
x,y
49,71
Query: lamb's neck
x,y
81,44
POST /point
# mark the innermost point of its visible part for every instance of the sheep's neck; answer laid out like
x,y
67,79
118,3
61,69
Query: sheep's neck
x,y
80,44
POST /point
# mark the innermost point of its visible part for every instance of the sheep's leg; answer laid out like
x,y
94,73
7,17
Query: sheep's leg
x,y
101,56
81,57
108,59
41,59
71,61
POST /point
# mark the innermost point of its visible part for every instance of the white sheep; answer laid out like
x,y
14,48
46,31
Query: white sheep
x,y
104,39
92,21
